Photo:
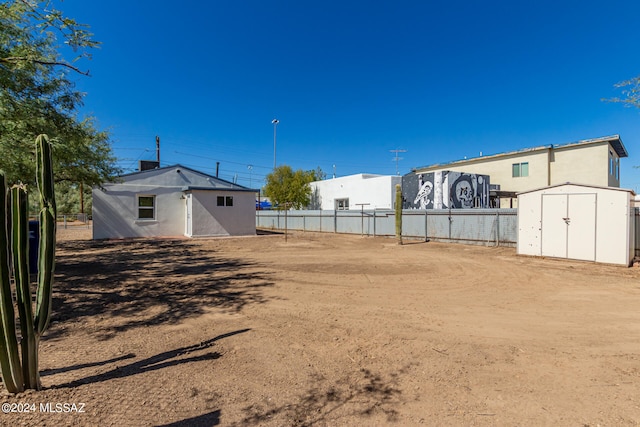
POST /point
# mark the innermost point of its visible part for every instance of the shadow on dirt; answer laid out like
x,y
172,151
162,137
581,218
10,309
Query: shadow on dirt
x,y
205,420
154,363
117,286
266,232
363,395
85,365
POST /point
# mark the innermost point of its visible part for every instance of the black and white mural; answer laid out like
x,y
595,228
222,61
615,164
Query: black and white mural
x,y
444,190
417,191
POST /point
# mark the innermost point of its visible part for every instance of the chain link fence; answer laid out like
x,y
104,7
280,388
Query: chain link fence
x,y
73,221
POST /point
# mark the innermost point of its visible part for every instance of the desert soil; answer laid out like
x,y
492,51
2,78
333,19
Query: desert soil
x,y
324,329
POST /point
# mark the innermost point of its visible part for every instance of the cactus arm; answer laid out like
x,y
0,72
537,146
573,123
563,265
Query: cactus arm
x,y
20,246
47,217
9,358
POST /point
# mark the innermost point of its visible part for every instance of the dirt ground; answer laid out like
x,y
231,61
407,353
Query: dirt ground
x,y
325,329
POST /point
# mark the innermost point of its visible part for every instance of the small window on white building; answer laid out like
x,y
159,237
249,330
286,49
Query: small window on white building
x,y
342,204
146,207
520,169
225,200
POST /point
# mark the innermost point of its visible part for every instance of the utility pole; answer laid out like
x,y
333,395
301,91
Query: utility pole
x,y
158,150
396,158
81,198
275,123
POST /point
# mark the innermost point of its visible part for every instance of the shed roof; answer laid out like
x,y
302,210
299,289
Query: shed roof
x,y
599,187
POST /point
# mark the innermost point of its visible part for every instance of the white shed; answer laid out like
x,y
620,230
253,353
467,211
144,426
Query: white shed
x,y
575,221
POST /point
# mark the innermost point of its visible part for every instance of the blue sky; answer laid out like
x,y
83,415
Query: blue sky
x,y
350,81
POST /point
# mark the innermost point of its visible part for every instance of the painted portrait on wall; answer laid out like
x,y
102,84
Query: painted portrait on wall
x,y
444,190
417,191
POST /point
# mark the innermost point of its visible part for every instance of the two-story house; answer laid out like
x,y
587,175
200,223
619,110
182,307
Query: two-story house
x,y
590,161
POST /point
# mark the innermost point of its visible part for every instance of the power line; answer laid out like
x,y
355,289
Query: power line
x,y
222,160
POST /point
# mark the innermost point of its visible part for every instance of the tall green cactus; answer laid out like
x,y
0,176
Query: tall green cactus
x,y
9,358
47,217
399,213
24,374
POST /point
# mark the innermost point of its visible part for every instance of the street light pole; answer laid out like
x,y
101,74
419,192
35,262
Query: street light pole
x,y
275,123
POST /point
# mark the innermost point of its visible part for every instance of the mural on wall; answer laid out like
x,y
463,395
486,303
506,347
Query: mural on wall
x,y
417,191
444,190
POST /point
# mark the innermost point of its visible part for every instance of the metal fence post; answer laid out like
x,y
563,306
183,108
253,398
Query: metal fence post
x,y
426,234
374,222
497,228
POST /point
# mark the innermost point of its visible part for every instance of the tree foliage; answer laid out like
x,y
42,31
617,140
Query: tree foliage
x,y
630,92
69,201
287,188
37,95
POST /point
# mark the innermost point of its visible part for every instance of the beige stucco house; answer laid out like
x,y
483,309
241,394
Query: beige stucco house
x,y
590,161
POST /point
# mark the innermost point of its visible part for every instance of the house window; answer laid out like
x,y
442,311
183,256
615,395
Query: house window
x,y
225,200
611,163
342,204
146,207
520,169
614,166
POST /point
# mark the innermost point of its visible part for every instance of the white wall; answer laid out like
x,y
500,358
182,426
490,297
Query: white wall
x,y
583,164
115,212
209,219
376,190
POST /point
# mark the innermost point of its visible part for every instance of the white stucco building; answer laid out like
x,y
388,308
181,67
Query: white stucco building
x,y
172,201
358,191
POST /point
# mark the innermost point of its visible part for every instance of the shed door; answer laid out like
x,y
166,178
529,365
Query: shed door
x,y
554,227
581,236
569,226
